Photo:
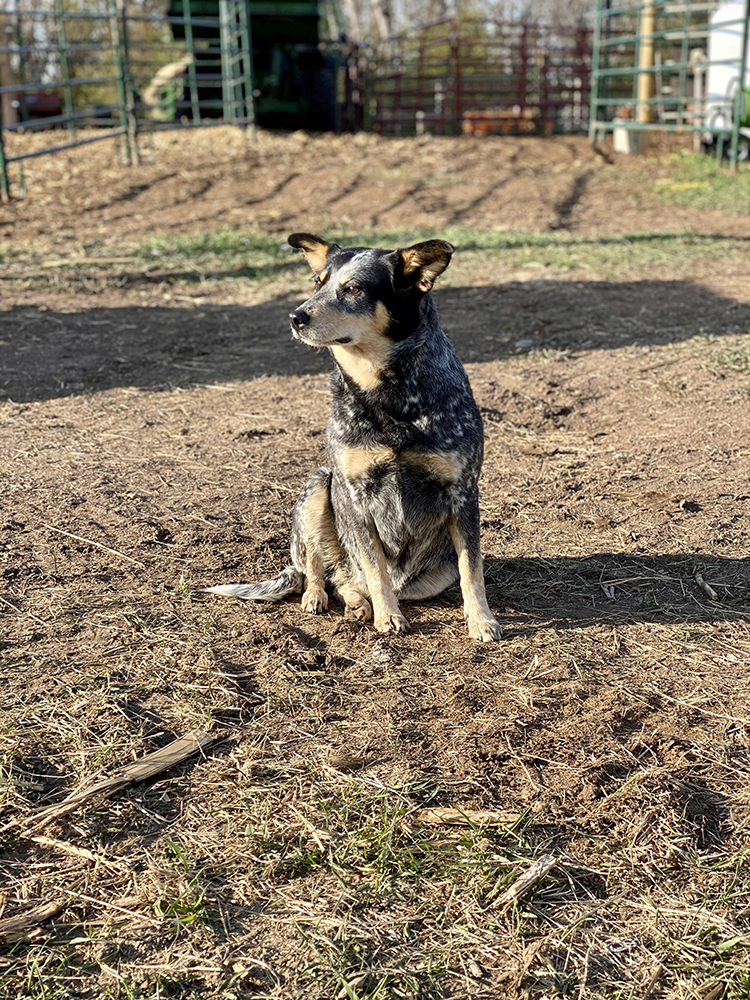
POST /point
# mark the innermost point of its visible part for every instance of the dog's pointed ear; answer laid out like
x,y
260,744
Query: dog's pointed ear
x,y
419,265
316,249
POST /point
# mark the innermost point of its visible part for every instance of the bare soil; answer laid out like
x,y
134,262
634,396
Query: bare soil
x,y
153,443
215,177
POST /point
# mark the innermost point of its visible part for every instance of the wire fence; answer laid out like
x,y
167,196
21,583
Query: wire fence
x,y
117,71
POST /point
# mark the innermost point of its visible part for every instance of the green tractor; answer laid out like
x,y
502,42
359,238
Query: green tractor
x,y
294,77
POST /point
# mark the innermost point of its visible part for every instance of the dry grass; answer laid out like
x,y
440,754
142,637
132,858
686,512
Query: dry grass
x,y
268,871
609,731
289,862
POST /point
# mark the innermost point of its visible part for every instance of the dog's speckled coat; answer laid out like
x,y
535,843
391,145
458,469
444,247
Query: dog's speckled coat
x,y
396,515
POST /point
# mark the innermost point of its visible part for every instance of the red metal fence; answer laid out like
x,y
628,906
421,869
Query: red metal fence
x,y
481,76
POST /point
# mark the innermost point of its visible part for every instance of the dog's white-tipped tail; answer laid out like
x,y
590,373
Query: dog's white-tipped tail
x,y
289,581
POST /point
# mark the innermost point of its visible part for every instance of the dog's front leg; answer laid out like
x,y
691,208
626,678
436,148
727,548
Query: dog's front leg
x,y
464,529
315,544
386,612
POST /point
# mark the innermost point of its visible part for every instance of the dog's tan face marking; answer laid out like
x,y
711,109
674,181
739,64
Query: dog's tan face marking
x,y
322,277
446,466
356,462
348,281
366,357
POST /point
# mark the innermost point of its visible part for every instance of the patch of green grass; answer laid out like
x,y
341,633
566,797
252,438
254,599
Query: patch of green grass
x,y
256,256
350,964
698,181
736,361
46,973
186,907
608,256
231,251
225,241
266,263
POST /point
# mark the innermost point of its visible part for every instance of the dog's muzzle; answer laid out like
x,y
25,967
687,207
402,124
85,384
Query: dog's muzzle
x,y
300,321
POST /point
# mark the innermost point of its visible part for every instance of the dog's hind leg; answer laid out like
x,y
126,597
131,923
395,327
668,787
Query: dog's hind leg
x,y
315,545
430,584
356,605
315,550
464,528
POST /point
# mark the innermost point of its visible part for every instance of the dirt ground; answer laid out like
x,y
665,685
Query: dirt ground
x,y
210,178
154,436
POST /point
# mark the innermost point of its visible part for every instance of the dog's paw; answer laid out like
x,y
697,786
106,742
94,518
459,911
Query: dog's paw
x,y
314,601
485,630
393,622
359,612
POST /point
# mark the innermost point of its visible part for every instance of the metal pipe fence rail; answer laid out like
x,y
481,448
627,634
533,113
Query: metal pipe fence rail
x,y
481,76
121,71
677,66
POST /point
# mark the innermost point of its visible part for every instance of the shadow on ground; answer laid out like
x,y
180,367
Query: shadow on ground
x,y
616,588
48,354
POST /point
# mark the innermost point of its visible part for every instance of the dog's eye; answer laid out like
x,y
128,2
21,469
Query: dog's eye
x,y
353,290
317,282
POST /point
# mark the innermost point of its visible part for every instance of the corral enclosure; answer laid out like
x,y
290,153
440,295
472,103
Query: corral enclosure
x,y
672,67
481,76
123,71
368,803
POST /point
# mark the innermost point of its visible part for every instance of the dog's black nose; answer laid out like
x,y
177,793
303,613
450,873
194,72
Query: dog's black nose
x,y
299,318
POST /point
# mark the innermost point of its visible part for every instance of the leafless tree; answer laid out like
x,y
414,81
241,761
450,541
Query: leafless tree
x,y
374,20
382,17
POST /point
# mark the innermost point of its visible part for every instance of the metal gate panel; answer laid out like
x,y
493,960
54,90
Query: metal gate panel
x,y
481,76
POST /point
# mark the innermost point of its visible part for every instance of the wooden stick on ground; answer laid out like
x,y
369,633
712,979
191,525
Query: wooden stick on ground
x,y
707,589
21,926
77,852
129,774
530,878
465,817
90,541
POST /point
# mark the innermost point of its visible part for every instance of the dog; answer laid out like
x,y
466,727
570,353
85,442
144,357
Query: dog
x,y
395,514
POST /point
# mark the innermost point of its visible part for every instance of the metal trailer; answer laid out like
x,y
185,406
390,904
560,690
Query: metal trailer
x,y
724,92
652,60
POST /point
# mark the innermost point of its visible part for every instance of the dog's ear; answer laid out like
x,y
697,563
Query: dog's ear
x,y
418,266
316,249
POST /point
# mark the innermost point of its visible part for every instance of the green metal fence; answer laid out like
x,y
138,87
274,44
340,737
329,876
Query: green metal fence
x,y
674,66
111,69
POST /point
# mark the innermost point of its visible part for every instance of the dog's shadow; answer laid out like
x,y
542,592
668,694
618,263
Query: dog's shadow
x,y
47,354
569,592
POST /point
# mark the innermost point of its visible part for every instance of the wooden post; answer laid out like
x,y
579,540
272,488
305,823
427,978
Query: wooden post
x,y
8,114
644,110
